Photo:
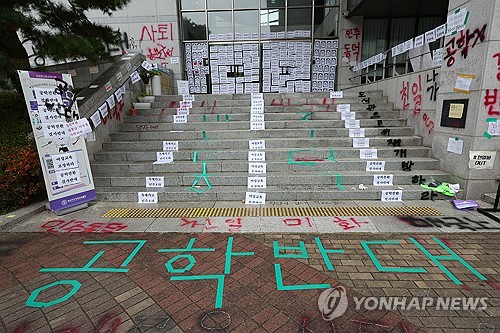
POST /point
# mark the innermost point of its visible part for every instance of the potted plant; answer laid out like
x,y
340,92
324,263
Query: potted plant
x,y
144,97
140,104
152,79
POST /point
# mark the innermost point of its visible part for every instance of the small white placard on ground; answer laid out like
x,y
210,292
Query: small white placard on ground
x,y
164,157
344,108
352,123
257,168
357,133
147,197
256,156
361,142
375,166
257,182
382,180
392,195
171,145
256,144
336,94
367,153
180,119
255,198
155,181
257,126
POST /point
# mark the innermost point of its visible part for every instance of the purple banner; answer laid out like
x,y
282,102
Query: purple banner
x,y
45,75
72,200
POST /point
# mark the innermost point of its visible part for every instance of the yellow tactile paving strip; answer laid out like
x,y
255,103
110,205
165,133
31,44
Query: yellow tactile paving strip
x,y
270,211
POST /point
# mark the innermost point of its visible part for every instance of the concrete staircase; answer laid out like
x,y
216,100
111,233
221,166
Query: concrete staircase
x,y
308,151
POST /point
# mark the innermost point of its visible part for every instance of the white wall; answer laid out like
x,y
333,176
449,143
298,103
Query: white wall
x,y
150,26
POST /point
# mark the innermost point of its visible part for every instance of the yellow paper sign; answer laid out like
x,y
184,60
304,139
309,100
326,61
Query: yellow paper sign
x,y
456,111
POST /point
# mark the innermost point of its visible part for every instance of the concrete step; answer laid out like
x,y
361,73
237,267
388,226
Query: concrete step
x,y
273,128
322,128
113,168
245,107
340,154
489,197
274,193
270,96
152,140
157,116
240,178
240,129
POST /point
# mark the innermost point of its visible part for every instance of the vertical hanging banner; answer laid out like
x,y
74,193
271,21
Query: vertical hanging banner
x,y
64,160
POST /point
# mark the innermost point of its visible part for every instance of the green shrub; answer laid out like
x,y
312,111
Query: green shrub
x,y
21,181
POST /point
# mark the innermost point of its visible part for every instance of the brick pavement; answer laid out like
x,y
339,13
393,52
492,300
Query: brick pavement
x,y
146,299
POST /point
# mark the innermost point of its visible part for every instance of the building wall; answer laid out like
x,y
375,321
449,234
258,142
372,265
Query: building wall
x,y
482,63
151,26
420,96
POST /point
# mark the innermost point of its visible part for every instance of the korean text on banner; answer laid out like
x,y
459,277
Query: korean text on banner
x,y
66,187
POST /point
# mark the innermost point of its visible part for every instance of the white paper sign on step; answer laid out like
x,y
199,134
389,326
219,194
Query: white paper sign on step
x,y
257,182
382,180
180,119
254,198
357,133
361,142
257,109
348,115
256,117
367,153
352,123
336,94
182,111
257,144
257,96
170,145
392,195
188,98
186,104
344,108
164,157
147,197
256,156
257,126
258,102
155,181
257,168
375,166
